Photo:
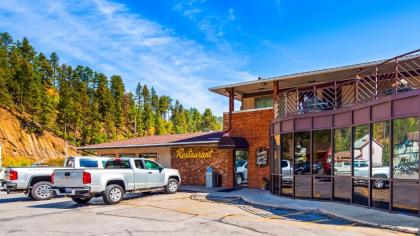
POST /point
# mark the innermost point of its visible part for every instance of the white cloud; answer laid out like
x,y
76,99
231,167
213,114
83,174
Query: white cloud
x,y
110,38
211,25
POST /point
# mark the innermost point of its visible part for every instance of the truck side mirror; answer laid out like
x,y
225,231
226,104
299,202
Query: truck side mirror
x,y
161,168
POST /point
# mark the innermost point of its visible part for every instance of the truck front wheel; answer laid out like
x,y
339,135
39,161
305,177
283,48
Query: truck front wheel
x,y
81,200
41,191
113,194
172,186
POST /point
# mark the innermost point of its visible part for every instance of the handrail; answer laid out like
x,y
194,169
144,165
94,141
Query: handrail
x,y
396,75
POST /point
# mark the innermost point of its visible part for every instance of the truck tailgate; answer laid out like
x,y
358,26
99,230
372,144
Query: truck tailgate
x,y
68,178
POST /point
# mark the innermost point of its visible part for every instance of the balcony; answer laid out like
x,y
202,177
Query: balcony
x,y
395,76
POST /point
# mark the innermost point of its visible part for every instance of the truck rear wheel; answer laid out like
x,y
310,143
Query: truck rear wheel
x,y
113,194
172,186
41,191
81,200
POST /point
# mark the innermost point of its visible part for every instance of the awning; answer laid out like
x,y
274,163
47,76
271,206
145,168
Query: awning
x,y
228,142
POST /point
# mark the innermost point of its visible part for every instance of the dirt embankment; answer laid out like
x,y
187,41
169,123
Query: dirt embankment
x,y
20,146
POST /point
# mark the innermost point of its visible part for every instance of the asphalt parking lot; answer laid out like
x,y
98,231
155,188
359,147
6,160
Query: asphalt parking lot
x,y
161,214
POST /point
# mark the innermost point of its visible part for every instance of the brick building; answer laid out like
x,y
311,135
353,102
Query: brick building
x,y
348,134
190,153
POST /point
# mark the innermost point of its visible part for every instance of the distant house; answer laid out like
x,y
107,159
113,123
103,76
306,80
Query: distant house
x,y
361,150
408,149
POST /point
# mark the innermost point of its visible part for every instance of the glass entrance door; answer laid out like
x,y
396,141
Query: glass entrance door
x,y
241,168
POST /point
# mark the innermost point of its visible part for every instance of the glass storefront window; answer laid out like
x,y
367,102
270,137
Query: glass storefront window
x,y
343,188
353,164
342,151
276,184
286,164
276,155
406,148
361,191
302,152
380,196
361,150
381,149
321,156
405,195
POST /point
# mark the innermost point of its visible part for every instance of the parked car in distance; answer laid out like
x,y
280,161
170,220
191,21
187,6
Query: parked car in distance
x,y
342,168
35,181
361,168
305,168
286,171
118,177
241,172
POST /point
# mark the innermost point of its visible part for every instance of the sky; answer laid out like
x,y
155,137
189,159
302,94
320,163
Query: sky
x,y
182,48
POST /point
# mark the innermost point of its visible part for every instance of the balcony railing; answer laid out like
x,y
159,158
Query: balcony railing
x,y
397,75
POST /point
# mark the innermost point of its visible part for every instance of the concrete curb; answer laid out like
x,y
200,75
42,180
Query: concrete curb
x,y
333,214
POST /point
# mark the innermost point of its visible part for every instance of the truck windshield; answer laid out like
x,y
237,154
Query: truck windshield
x,y
85,162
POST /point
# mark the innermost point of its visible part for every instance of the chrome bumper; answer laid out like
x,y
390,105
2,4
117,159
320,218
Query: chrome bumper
x,y
62,191
8,187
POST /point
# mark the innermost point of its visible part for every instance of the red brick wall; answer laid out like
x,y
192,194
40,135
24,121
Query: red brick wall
x,y
254,127
193,170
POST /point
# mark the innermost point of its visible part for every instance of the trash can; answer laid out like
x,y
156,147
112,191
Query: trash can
x,y
209,178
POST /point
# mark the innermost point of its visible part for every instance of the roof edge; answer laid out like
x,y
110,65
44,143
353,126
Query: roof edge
x,y
147,145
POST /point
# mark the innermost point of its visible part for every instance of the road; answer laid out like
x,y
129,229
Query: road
x,y
161,214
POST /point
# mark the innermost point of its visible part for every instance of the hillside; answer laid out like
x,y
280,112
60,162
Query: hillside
x,y
85,106
21,147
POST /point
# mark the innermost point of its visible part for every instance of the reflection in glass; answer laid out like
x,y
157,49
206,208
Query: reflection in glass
x,y
302,152
342,188
276,154
286,186
380,196
406,148
405,196
381,149
276,184
303,186
361,150
321,164
360,191
241,167
322,187
287,164
342,151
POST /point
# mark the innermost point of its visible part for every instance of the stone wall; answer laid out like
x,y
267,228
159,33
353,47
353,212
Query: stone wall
x,y
254,127
193,170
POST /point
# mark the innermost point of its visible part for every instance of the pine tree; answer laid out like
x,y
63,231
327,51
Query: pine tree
x,y
54,62
106,106
138,122
210,122
81,105
5,43
117,91
147,112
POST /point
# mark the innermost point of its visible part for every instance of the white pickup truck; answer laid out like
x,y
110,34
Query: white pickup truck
x,y
35,181
118,177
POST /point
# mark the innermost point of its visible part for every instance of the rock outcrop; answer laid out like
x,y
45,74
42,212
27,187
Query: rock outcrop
x,y
18,142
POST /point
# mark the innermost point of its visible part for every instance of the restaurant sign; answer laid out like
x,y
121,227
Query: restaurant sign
x,y
189,153
262,156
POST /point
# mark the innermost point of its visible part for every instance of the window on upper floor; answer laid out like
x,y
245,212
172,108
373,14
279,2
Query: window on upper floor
x,y
263,102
